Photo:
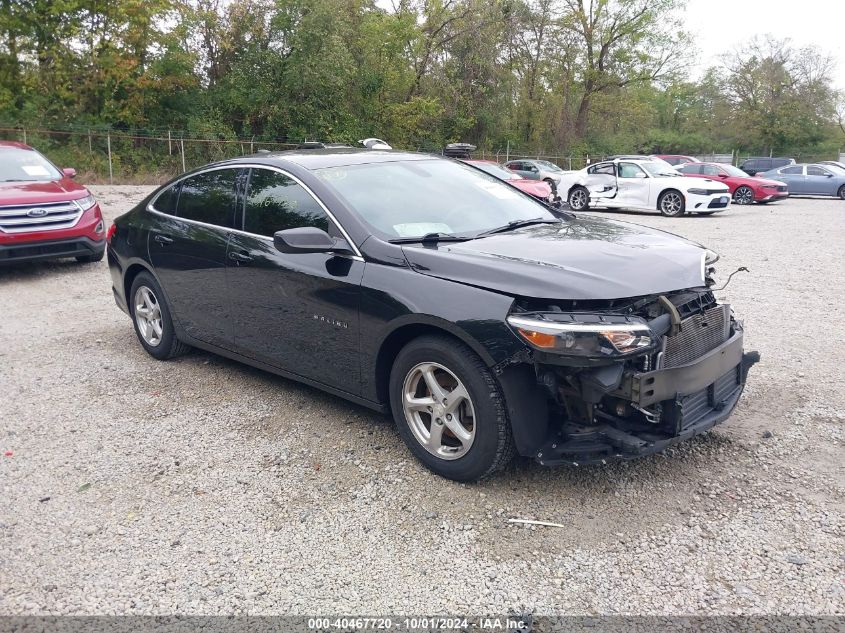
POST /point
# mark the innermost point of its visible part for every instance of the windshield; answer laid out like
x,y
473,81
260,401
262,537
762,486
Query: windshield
x,y
548,166
408,199
25,165
659,169
734,171
495,170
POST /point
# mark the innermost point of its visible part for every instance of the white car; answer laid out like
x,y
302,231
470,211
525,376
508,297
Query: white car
x,y
642,184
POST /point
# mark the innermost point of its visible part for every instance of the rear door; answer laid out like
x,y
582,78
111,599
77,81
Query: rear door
x,y
188,252
298,312
794,178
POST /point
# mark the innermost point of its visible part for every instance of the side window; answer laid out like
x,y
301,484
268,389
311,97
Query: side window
x,y
209,197
276,202
795,170
812,170
630,170
167,199
692,168
530,167
602,168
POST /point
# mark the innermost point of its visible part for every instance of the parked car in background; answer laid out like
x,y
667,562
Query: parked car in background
x,y
539,189
754,166
643,184
676,159
417,285
744,188
653,159
537,170
810,179
44,213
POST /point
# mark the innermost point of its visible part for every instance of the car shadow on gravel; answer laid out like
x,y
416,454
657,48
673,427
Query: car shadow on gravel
x,y
26,271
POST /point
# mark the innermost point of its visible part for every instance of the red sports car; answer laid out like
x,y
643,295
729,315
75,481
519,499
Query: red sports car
x,y
44,214
537,188
744,188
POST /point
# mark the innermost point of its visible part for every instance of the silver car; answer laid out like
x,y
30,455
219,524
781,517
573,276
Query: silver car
x,y
810,179
537,170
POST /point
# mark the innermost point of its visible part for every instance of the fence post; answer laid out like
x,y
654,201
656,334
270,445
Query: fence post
x,y
24,135
252,145
169,146
111,170
508,152
90,146
182,145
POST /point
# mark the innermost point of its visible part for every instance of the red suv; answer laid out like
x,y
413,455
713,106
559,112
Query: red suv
x,y
44,214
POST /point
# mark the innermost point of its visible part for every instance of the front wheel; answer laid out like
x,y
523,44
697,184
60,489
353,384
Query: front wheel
x,y
842,192
671,203
449,409
579,199
743,195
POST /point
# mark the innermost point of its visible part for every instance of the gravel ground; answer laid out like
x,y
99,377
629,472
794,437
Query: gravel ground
x,y
203,486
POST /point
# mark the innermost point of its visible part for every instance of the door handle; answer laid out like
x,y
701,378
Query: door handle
x,y
163,239
239,257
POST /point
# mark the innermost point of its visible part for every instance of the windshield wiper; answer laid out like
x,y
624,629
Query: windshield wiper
x,y
430,238
517,224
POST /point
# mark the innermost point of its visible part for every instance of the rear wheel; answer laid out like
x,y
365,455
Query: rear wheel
x,y
449,409
551,184
671,203
743,195
152,320
579,199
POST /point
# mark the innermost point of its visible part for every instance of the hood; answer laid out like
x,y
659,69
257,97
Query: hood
x,y
40,192
584,258
533,187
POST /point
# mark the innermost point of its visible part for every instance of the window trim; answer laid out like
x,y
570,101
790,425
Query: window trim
x,y
151,204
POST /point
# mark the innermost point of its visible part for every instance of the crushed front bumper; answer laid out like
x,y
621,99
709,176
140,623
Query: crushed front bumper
x,y
693,399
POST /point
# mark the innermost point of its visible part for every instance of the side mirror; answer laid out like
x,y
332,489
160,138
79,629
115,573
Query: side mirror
x,y
308,239
69,172
723,175
829,175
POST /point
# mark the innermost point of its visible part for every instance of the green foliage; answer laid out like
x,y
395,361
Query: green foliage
x,y
543,76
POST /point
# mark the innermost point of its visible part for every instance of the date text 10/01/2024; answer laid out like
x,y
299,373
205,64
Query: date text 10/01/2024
x,y
417,624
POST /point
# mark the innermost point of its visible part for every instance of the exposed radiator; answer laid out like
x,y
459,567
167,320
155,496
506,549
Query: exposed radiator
x,y
699,334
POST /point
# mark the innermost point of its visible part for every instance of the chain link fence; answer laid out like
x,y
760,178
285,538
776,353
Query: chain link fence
x,y
154,156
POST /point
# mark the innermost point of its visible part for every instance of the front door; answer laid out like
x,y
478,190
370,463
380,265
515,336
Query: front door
x,y
819,181
298,312
633,185
187,246
794,178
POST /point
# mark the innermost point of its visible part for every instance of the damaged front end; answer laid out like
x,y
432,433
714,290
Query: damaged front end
x,y
629,378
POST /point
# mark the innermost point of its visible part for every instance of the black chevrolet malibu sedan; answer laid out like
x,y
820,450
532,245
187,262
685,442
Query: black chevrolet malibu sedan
x,y
485,323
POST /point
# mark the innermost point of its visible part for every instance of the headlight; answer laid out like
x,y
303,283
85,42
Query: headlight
x,y
698,192
591,336
85,203
710,257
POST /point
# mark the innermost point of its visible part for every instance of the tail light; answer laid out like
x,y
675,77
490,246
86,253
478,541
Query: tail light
x,y
110,234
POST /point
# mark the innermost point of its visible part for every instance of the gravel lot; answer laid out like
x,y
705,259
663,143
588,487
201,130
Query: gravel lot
x,y
203,486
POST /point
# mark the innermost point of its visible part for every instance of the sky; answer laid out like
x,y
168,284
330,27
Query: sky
x,y
720,26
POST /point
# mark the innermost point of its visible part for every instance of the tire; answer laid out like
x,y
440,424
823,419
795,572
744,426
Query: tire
x,y
842,192
578,198
90,259
671,203
481,415
743,195
551,183
161,342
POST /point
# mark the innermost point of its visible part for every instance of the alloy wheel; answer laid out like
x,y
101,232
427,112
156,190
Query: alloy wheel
x,y
148,316
743,195
578,199
438,410
672,203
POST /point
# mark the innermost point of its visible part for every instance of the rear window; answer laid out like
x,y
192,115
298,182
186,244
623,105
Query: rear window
x,y
209,197
780,162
